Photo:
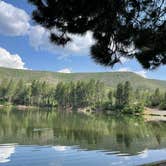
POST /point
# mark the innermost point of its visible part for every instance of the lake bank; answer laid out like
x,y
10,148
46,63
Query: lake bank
x,y
19,107
149,114
154,114
162,163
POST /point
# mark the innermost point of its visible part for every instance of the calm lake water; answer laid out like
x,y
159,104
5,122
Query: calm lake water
x,y
49,138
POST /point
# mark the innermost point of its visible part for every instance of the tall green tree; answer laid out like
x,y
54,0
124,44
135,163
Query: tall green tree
x,y
3,89
110,97
10,90
163,102
120,28
72,95
119,95
127,93
19,94
100,92
156,98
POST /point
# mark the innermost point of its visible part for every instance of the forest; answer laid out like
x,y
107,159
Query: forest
x,y
92,95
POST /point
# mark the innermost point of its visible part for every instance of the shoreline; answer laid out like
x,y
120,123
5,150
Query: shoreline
x,y
159,163
149,114
19,107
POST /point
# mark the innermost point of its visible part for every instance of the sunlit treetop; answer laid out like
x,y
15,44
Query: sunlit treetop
x,y
120,28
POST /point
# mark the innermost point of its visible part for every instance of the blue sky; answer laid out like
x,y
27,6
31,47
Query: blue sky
x,y
25,45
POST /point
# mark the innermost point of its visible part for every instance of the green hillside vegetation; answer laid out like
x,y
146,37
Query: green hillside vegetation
x,y
89,94
109,78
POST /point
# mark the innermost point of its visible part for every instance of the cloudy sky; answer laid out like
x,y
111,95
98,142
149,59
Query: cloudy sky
x,y
25,45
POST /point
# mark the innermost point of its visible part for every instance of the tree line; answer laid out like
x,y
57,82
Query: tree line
x,y
64,95
80,94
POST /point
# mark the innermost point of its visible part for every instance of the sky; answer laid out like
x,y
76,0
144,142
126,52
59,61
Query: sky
x,y
26,45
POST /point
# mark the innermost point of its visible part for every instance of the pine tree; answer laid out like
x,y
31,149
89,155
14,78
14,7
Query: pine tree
x,y
156,98
163,102
120,28
110,97
127,93
72,95
19,93
3,89
100,92
119,95
10,89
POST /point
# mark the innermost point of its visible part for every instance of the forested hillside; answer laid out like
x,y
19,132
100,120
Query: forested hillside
x,y
109,78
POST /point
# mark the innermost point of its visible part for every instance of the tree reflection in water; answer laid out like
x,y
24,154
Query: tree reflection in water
x,y
129,135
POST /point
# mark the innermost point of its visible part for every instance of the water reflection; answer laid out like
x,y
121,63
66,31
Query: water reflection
x,y
5,152
73,156
116,139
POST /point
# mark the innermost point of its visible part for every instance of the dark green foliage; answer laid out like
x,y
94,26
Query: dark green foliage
x,y
133,109
119,95
127,93
3,90
163,103
80,94
21,93
124,100
121,28
67,95
156,98
36,93
110,97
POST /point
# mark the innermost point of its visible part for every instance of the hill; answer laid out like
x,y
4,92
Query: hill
x,y
109,78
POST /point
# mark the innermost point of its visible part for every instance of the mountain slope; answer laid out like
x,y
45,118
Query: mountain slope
x,y
109,78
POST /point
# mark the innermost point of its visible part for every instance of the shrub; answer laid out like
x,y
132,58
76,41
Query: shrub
x,y
162,106
136,108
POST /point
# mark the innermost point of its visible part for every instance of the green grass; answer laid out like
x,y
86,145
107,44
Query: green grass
x,y
109,78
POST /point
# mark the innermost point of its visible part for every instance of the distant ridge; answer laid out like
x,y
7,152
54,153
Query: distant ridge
x,y
109,78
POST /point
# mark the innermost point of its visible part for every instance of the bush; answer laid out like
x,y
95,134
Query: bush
x,y
137,108
162,106
107,106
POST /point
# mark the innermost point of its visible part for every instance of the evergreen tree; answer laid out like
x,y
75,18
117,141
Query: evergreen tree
x,y
127,93
72,95
3,90
19,94
110,97
156,98
120,28
119,95
163,102
10,89
100,92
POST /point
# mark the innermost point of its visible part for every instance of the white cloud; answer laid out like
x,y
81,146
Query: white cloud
x,y
10,60
123,60
141,72
39,39
13,21
81,43
65,70
125,69
16,22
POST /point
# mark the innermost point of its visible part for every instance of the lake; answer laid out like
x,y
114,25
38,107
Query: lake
x,y
50,138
